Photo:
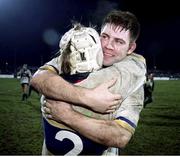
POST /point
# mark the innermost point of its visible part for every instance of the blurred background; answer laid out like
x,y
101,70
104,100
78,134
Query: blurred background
x,y
30,30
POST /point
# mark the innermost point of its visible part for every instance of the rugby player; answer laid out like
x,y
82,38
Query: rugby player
x,y
25,76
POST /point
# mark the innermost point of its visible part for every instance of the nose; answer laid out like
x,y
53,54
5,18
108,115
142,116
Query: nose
x,y
109,44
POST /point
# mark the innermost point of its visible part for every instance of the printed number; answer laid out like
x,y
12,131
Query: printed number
x,y
61,135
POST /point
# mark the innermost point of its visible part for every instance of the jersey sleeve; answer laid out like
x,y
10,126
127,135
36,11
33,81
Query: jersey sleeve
x,y
132,71
53,66
128,113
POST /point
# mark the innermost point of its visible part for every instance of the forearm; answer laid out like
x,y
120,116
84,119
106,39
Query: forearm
x,y
53,86
99,99
105,132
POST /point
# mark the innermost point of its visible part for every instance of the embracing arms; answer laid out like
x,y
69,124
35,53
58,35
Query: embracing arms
x,y
53,86
106,132
112,133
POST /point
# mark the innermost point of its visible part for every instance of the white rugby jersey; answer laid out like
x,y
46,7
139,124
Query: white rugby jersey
x,y
25,76
131,76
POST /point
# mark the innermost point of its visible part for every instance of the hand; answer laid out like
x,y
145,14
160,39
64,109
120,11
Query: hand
x,y
102,100
57,110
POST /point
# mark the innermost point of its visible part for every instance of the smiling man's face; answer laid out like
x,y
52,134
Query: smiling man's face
x,y
115,43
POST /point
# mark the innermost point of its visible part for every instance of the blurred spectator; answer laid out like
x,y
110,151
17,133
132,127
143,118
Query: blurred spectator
x,y
25,76
148,89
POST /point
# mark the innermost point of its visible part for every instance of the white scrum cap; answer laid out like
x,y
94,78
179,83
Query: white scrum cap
x,y
86,52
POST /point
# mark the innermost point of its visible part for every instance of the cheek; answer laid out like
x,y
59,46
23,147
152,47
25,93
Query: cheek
x,y
121,53
102,44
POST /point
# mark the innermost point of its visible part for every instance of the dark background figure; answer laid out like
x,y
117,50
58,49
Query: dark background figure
x,y
148,89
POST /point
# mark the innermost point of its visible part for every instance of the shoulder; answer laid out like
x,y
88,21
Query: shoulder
x,y
55,61
137,57
54,65
132,62
133,66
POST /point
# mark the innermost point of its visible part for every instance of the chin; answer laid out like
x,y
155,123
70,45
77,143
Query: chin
x,y
107,63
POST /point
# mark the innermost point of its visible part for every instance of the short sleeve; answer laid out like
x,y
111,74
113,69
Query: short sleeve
x,y
128,113
54,65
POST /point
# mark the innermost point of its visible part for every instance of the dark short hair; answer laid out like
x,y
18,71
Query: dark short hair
x,y
126,20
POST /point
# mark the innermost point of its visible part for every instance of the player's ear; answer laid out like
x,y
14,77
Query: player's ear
x,y
132,47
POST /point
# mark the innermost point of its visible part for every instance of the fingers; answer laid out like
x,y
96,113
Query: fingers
x,y
117,97
48,116
110,111
46,110
47,104
117,102
114,107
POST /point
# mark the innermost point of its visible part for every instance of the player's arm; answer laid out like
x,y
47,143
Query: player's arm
x,y
106,132
53,86
113,133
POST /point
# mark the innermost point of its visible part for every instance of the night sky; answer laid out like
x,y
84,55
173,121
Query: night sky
x,y
30,30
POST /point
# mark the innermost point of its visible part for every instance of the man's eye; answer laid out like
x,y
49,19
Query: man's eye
x,y
119,42
103,36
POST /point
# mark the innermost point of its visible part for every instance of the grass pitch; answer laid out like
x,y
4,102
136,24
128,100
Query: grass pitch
x,y
158,132
20,122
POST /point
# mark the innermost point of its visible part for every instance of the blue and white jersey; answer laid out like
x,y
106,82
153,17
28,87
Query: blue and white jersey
x,y
62,140
25,75
130,74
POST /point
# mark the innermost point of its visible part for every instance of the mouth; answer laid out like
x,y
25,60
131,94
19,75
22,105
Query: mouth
x,y
108,54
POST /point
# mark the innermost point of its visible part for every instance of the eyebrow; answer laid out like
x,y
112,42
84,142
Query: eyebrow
x,y
104,34
119,39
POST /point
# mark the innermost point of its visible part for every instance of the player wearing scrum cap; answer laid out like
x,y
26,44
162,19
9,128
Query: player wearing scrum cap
x,y
81,54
